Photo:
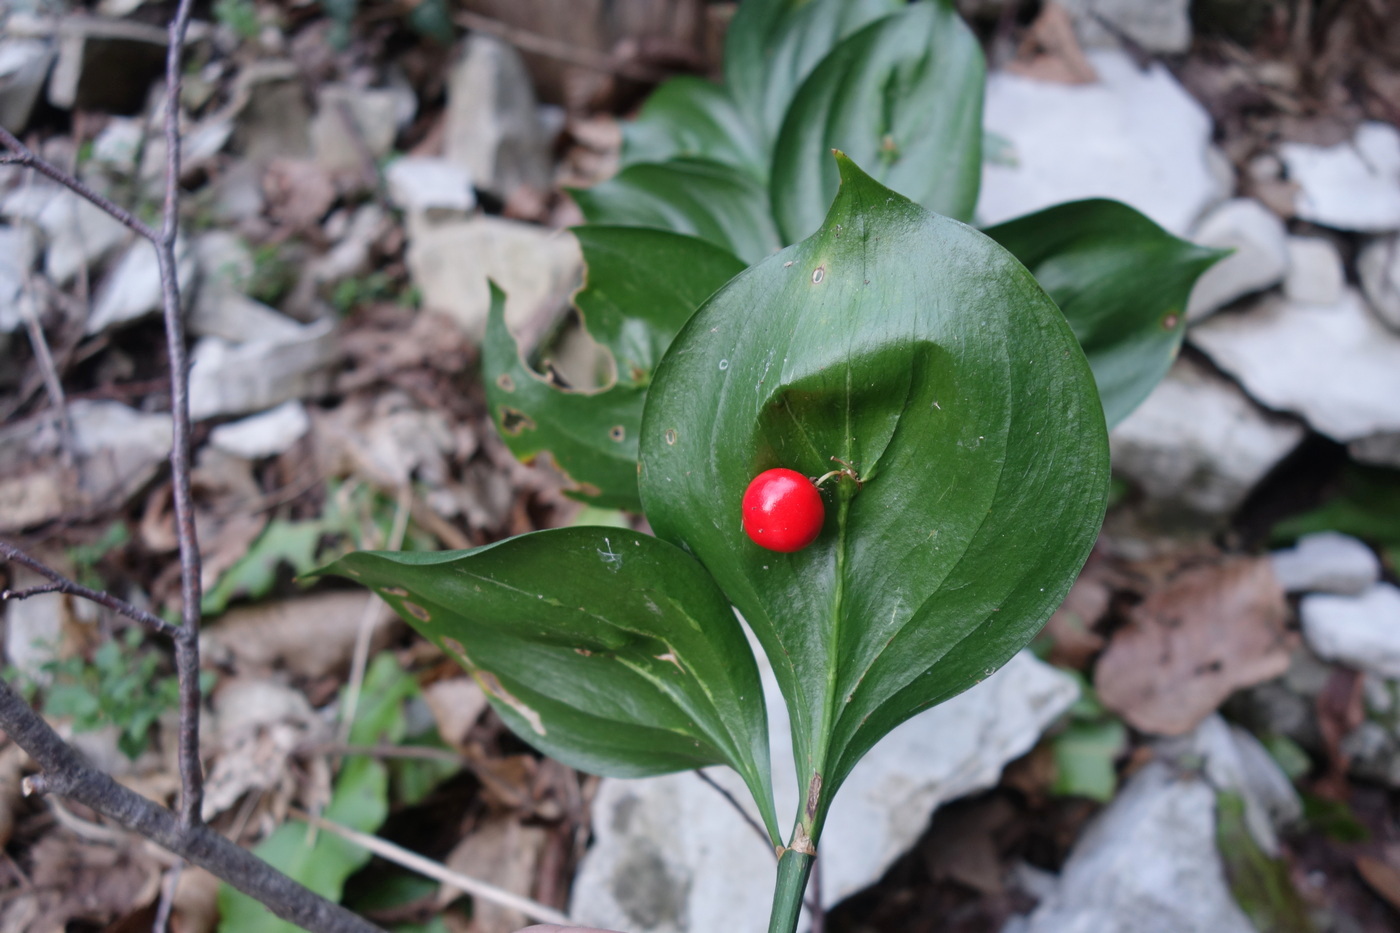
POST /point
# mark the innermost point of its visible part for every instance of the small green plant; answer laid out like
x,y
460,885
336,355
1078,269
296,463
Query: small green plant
x,y
241,16
120,686
770,307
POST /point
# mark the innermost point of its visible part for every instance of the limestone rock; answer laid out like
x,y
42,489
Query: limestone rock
x,y
1259,260
493,127
1156,25
1350,186
132,288
435,189
339,147
1315,273
18,251
1359,631
1378,266
24,64
670,854
263,435
1147,864
1327,562
228,379
77,232
1198,442
1337,366
451,262
1136,136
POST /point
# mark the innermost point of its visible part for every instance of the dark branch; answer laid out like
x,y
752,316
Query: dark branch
x,y
62,584
67,775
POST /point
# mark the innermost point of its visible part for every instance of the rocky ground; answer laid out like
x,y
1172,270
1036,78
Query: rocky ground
x,y
1207,736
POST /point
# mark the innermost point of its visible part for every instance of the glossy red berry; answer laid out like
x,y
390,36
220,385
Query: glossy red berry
x,y
783,511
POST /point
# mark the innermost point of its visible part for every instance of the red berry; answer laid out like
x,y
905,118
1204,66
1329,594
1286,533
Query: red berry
x,y
783,511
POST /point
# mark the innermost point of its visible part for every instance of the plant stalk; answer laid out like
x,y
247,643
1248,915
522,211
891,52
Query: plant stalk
x,y
793,869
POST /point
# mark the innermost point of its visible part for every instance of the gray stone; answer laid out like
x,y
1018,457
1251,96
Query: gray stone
x,y
221,309
264,435
105,64
1156,25
273,117
434,189
1359,631
1327,562
1136,136
1197,442
228,379
238,193
1233,759
1337,366
18,250
492,125
671,855
1378,450
119,144
78,233
1259,260
451,262
132,289
342,148
24,64
1147,864
1350,186
1378,267
1315,274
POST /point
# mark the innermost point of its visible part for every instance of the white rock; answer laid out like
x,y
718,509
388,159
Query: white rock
x,y
1259,260
273,117
1156,25
18,251
1378,266
1338,366
132,289
233,380
1351,186
1377,450
1327,562
338,147
265,435
119,144
451,262
1136,136
1360,631
78,233
1235,760
492,125
24,64
1198,442
670,854
435,188
1147,864
1315,274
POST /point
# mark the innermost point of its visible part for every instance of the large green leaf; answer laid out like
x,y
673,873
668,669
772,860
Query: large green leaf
x,y
924,354
640,287
608,649
689,117
773,45
902,96
710,200
1121,281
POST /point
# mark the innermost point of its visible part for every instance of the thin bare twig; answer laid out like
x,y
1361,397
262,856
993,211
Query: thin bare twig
x,y
739,809
20,154
438,872
67,775
167,898
62,584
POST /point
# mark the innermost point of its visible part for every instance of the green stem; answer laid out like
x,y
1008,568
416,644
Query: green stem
x,y
793,869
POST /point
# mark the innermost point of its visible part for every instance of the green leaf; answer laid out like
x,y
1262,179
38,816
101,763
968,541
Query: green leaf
x,y
605,648
1366,505
1084,759
1262,885
903,96
925,355
689,117
773,45
640,287
1121,281
323,861
710,200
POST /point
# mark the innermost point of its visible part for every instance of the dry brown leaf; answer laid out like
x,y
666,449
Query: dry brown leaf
x,y
80,880
1071,629
1051,52
196,905
505,853
1382,876
310,636
299,193
1188,645
12,759
456,703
